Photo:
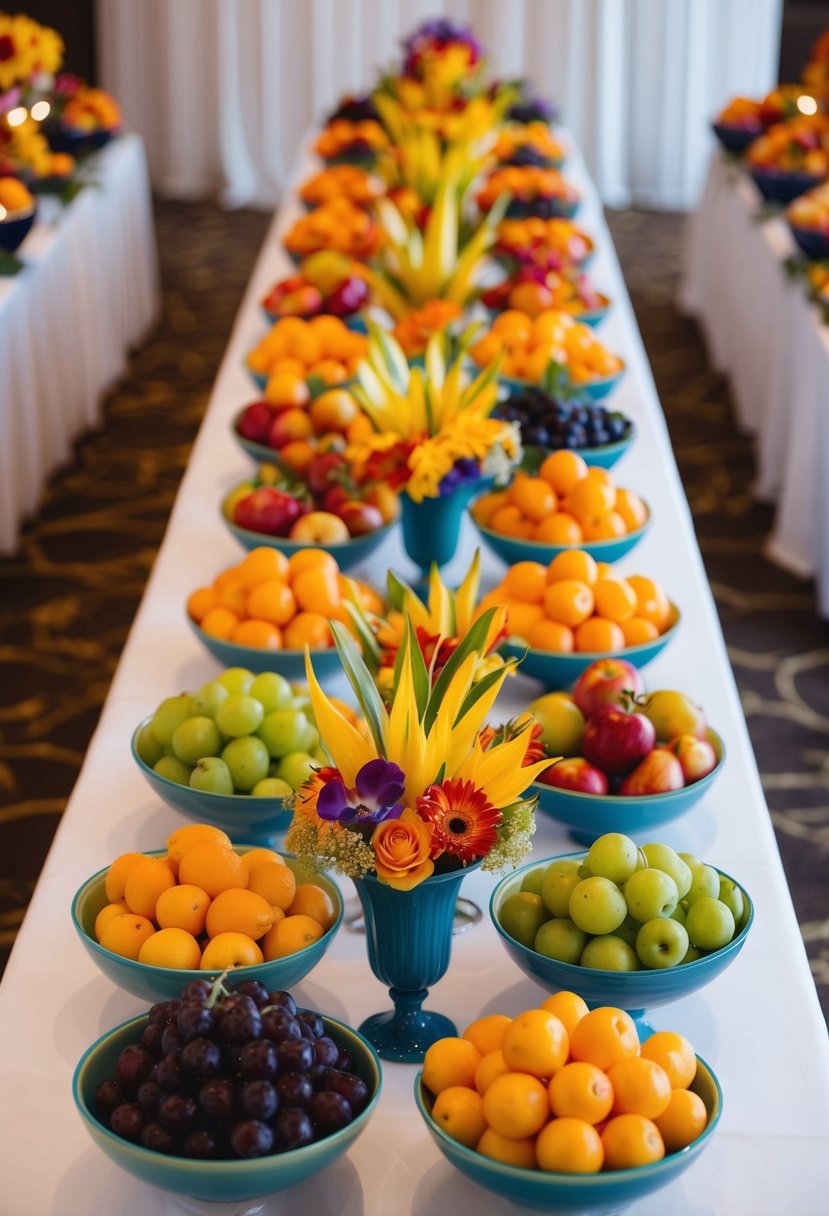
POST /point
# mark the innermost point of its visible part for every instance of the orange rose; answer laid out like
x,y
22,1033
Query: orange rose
x,y
402,848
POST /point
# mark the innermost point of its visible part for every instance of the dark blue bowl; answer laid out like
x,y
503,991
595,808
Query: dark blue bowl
x,y
735,138
778,186
348,553
13,231
813,242
288,663
589,816
546,208
512,549
219,1181
571,1194
76,140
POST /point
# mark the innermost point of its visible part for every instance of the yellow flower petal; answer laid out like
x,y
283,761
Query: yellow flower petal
x,y
348,749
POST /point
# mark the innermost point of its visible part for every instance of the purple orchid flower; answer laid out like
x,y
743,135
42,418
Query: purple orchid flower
x,y
379,788
463,472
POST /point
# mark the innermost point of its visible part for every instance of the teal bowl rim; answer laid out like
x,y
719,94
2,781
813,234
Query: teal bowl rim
x,y
238,648
316,387
616,447
251,1166
604,1178
268,804
285,545
188,974
591,656
507,251
539,546
259,452
596,973
586,799
586,387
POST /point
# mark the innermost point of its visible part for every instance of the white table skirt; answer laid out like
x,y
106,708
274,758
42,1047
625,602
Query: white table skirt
x,y
88,294
759,1024
771,342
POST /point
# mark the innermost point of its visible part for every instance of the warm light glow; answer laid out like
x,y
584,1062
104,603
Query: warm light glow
x,y
16,116
806,104
40,110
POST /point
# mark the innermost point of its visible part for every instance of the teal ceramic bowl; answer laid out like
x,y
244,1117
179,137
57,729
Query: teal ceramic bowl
x,y
512,549
347,553
163,983
219,1181
595,316
557,670
245,818
571,1194
260,379
635,991
604,455
288,663
596,390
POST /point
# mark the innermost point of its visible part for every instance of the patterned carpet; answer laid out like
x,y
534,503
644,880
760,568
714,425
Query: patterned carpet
x,y
63,618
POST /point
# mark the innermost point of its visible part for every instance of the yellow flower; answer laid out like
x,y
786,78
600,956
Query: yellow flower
x,y
401,847
17,58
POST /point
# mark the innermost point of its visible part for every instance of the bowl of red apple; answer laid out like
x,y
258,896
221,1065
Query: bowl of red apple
x,y
629,760
326,282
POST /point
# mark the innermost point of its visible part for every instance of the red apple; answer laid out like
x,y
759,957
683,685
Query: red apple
x,y
305,301
616,740
268,510
334,498
320,528
321,470
603,683
659,773
348,297
360,517
696,757
256,422
575,773
288,426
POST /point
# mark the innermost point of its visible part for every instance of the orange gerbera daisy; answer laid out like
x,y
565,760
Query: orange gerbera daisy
x,y
464,822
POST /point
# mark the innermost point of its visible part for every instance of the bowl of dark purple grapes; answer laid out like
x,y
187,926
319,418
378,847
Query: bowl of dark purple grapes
x,y
547,423
228,1092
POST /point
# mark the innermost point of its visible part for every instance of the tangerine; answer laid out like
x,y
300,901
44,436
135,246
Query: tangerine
x,y
640,1087
563,470
631,1140
126,934
569,1146
290,935
615,599
183,907
118,873
609,526
574,564
311,559
675,1055
506,1150
631,508
450,1061
200,603
487,1033
522,617
581,1091
219,623
599,636
271,600
262,635
559,529
239,911
106,914
536,1043
261,564
516,1105
308,628
533,496
590,497
604,1036
182,839
568,601
212,866
651,601
508,521
145,883
549,635
459,1111
638,631
317,591
274,882
568,1007
230,950
173,948
491,1066
311,900
260,857
232,596
525,581
683,1119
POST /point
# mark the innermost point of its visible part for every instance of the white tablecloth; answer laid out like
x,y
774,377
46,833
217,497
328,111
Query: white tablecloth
x,y
759,1024
763,332
88,293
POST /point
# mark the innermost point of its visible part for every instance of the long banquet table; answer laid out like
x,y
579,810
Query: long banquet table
x,y
88,293
773,344
759,1025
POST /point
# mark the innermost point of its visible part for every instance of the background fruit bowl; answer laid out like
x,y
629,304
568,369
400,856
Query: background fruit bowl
x,y
16,227
814,242
591,815
634,991
568,1194
596,390
512,549
734,138
347,553
781,186
163,983
217,1181
288,663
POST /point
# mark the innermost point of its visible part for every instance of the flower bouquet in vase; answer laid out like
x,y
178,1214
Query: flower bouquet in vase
x,y
407,811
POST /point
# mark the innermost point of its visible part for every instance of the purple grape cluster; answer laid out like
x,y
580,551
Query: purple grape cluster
x,y
231,1072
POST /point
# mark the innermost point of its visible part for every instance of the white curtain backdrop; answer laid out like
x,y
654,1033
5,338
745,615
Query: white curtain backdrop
x,y
222,90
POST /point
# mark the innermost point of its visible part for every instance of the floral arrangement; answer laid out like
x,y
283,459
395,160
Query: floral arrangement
x,y
432,428
798,146
415,328
88,109
28,51
24,151
423,793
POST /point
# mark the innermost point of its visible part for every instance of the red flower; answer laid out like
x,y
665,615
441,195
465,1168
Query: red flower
x,y
464,823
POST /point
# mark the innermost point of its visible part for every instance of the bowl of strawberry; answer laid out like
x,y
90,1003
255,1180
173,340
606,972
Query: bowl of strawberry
x,y
324,508
630,760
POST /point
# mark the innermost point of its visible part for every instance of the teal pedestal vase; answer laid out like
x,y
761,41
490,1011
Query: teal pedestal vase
x,y
409,940
432,528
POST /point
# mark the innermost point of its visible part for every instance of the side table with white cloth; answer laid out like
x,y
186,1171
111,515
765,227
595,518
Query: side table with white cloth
x,y
763,332
87,294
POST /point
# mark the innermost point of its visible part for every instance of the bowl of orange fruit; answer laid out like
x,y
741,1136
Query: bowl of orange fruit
x,y
565,505
551,244
566,1110
564,616
322,352
344,180
151,922
337,225
261,613
18,208
343,142
533,191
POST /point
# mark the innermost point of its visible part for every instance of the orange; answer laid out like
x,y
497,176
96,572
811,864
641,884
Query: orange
x,y
609,526
174,948
491,1066
573,564
568,1007
515,1105
459,1111
274,882
615,599
525,581
262,564
640,1087
590,497
106,914
259,857
450,1061
297,454
599,636
486,506
182,839
232,596
230,950
183,907
651,601
200,603
604,1036
212,866
231,575
508,521
311,900
487,1033
562,470
311,559
582,1091
536,1043
569,1146
219,623
522,617
286,388
559,529
637,631
260,634
333,411
549,635
568,601
118,873
239,911
290,935
513,324
144,885
631,508
631,1140
509,1152
675,1054
533,496
683,1119
126,934
307,628
271,600
317,591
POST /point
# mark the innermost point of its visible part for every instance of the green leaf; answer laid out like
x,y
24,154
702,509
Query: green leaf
x,y
419,673
398,591
390,357
365,690
372,652
473,640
